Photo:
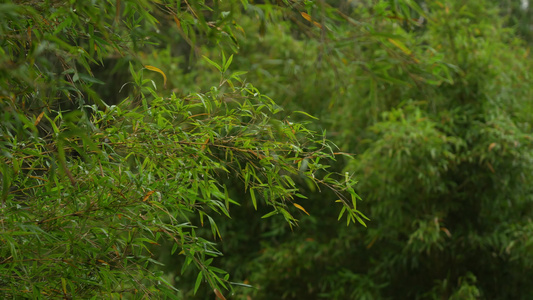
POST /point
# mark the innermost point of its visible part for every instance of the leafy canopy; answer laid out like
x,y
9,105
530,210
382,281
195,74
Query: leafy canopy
x,y
92,186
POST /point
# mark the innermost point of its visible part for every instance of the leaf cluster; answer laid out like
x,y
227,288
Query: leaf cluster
x,y
91,189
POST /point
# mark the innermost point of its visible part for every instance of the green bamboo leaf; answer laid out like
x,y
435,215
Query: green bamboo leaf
x,y
304,113
198,281
219,68
228,63
174,248
341,213
275,212
64,285
254,201
214,228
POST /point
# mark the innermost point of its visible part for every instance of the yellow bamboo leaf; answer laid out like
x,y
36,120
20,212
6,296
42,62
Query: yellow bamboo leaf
x,y
371,243
39,118
404,49
64,285
298,206
177,21
306,16
219,295
37,177
103,262
152,68
317,24
491,168
205,143
148,195
448,233
400,45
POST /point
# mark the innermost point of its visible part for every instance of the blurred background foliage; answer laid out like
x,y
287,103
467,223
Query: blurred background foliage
x,y
431,98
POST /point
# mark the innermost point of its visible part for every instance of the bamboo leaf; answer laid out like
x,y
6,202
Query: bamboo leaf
x,y
304,113
342,212
148,195
228,63
152,68
306,16
275,212
39,118
400,45
178,23
64,285
219,295
198,281
214,64
254,201
298,206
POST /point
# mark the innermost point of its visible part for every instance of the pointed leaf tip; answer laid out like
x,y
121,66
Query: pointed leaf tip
x,y
152,68
298,206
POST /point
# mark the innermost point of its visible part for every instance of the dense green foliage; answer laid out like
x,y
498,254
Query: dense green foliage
x,y
90,188
438,111
133,146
